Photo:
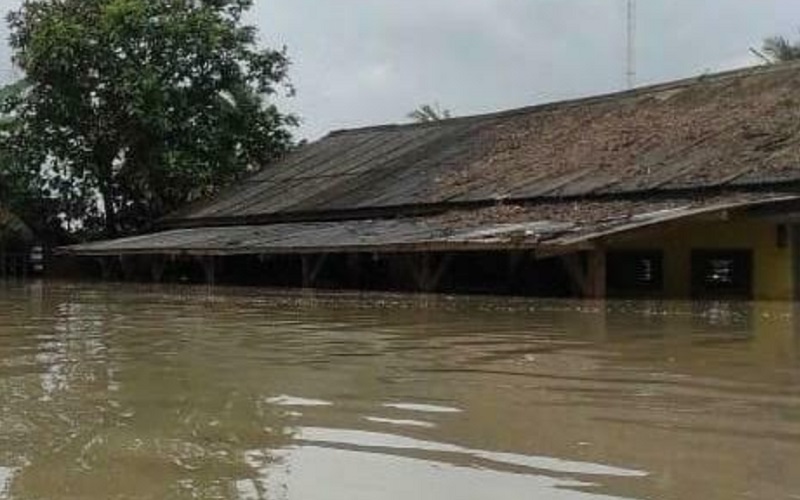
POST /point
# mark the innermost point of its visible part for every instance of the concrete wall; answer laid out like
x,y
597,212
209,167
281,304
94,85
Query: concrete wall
x,y
772,265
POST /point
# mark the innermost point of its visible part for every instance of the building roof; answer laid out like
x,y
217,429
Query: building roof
x,y
732,130
547,177
550,228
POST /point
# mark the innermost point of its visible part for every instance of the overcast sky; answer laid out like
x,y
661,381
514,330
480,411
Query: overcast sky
x,y
363,62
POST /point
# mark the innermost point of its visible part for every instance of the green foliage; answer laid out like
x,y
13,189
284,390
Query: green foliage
x,y
778,49
136,107
21,189
430,113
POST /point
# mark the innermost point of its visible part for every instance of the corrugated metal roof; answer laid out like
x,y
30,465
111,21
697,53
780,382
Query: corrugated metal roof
x,y
545,226
738,129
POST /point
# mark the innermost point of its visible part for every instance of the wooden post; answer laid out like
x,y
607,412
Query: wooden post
x,y
210,269
106,268
128,265
512,278
311,268
589,280
418,265
354,269
794,237
157,266
442,267
305,264
572,264
596,275
425,276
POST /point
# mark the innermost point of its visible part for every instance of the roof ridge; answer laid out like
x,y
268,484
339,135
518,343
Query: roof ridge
x,y
592,99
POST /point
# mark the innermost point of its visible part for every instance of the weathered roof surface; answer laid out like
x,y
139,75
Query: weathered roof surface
x,y
738,129
546,226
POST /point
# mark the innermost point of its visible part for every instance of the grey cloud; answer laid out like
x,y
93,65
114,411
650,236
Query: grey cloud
x,y
361,62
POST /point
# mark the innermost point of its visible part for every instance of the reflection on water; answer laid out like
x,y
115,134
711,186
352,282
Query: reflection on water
x,y
295,401
388,441
422,408
316,472
401,422
5,480
138,392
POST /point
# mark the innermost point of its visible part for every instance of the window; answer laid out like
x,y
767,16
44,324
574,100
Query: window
x,y
726,273
635,271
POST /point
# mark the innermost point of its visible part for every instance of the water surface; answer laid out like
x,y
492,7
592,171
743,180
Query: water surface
x,y
125,392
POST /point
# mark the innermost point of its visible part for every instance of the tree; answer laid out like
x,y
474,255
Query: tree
x,y
20,189
430,113
136,107
778,49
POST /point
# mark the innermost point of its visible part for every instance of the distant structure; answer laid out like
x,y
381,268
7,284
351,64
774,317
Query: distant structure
x,y
631,44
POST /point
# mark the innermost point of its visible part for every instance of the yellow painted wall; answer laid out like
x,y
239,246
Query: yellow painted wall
x,y
772,266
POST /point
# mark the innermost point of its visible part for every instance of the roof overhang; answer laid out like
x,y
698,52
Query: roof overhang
x,y
545,229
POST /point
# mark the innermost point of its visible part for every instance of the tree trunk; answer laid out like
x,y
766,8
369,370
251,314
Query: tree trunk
x,y
111,226
104,160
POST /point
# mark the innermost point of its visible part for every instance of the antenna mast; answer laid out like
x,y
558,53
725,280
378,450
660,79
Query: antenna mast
x,y
631,44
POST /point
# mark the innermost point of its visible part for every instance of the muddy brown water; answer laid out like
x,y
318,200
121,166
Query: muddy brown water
x,y
126,392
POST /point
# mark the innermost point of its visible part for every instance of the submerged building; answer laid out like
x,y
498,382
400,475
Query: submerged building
x,y
687,189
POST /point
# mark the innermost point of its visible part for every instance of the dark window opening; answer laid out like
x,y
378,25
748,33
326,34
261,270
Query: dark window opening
x,y
726,273
635,271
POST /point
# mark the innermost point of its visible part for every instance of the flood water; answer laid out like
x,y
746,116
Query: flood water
x,y
125,392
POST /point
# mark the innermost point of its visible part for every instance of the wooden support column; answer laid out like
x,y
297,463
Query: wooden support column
x,y
587,271
426,276
794,237
106,267
354,269
574,267
305,264
596,275
419,266
312,266
210,269
442,267
128,265
157,266
512,278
